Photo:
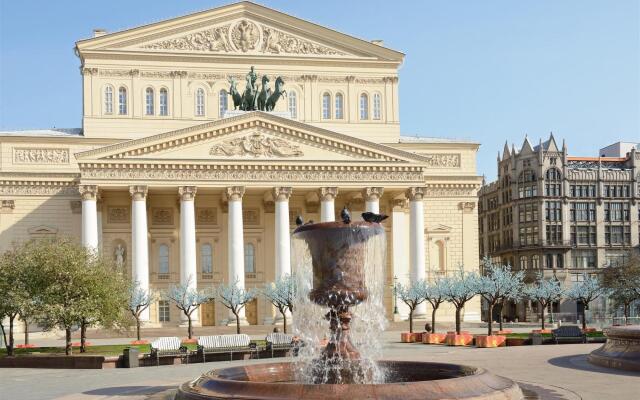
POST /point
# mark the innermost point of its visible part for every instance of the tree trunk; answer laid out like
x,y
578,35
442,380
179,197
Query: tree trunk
x,y
83,336
626,312
138,327
67,343
458,309
26,331
190,327
237,323
284,321
433,320
490,320
584,317
500,315
542,312
411,320
10,348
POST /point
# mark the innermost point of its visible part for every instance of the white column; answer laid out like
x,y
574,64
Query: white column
x,y
327,203
400,249
283,243
188,270
89,195
372,197
236,240
416,240
139,240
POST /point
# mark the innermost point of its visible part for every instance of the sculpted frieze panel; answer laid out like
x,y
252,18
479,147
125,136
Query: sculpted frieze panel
x,y
162,216
118,215
38,190
251,216
206,216
40,156
253,175
445,160
256,145
449,192
243,36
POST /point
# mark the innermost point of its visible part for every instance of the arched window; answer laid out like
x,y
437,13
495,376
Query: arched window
x,y
164,102
149,110
326,106
523,262
200,102
339,106
376,105
163,259
249,258
223,99
108,100
364,106
206,258
442,255
122,100
293,104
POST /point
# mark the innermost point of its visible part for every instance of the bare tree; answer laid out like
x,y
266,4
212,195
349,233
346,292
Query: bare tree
x,y
139,300
281,294
188,300
412,295
232,296
545,292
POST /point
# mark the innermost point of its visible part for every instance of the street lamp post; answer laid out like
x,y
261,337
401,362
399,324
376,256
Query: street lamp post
x,y
395,295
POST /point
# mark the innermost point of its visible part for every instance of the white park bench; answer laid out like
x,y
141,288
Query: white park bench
x,y
167,346
279,341
223,344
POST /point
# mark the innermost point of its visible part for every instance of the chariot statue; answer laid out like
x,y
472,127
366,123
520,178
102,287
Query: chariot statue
x,y
256,96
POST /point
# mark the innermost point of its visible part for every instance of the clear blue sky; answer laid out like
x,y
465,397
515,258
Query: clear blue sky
x,y
489,70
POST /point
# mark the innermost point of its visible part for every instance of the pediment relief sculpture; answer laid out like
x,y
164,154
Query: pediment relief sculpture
x,y
256,145
243,36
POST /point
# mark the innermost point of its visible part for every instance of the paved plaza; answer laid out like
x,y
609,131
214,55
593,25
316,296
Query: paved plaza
x,y
555,372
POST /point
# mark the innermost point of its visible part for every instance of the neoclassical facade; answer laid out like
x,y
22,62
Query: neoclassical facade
x,y
178,186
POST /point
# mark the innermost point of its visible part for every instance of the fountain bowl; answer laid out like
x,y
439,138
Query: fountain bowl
x,y
407,380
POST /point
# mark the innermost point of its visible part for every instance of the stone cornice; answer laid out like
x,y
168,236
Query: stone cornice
x,y
35,187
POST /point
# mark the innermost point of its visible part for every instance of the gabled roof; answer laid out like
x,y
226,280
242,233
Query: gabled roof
x,y
526,146
221,31
227,134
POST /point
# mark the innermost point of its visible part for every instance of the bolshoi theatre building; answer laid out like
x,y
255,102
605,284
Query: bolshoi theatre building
x,y
203,138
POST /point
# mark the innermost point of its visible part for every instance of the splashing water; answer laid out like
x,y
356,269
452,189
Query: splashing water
x,y
312,322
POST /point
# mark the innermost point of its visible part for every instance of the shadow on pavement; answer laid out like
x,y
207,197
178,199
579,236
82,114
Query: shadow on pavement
x,y
128,390
579,362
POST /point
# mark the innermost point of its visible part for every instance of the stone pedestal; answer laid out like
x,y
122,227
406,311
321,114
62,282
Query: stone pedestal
x,y
622,350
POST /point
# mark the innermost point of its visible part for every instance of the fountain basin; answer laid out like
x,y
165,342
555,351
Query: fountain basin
x,y
406,380
622,349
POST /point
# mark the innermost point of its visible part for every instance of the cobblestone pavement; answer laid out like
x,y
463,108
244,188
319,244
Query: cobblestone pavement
x,y
556,372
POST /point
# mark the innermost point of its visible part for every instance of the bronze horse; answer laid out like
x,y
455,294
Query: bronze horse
x,y
273,98
235,95
265,92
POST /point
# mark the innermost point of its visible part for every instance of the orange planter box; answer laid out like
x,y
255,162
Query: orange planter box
x,y
140,342
463,339
26,346
77,344
433,338
189,341
491,341
411,337
541,331
588,330
504,332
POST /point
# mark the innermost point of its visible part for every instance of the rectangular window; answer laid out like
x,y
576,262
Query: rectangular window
x,y
583,235
582,211
584,258
553,211
163,311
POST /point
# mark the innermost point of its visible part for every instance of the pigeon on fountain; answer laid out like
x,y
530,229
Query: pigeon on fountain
x,y
373,217
299,220
345,215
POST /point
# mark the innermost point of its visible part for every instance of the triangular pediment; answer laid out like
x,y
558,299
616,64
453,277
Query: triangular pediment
x,y
252,137
239,29
438,229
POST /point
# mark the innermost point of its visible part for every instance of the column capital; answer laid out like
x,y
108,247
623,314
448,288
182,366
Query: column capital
x,y
234,193
187,193
372,193
282,193
138,192
88,192
415,193
328,193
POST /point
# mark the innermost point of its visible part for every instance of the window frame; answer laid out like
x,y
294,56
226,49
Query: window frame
x,y
108,100
200,107
163,93
149,101
363,105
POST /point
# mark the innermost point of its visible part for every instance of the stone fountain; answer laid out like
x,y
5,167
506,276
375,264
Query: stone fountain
x,y
334,282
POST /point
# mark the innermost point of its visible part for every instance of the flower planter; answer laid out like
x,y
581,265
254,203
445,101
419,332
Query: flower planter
x,y
517,341
433,338
408,337
26,346
541,331
504,332
189,341
463,339
589,330
490,341
138,342
77,344
461,333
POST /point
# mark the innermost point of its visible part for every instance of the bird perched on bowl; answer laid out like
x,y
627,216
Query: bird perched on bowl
x,y
299,220
345,215
373,217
